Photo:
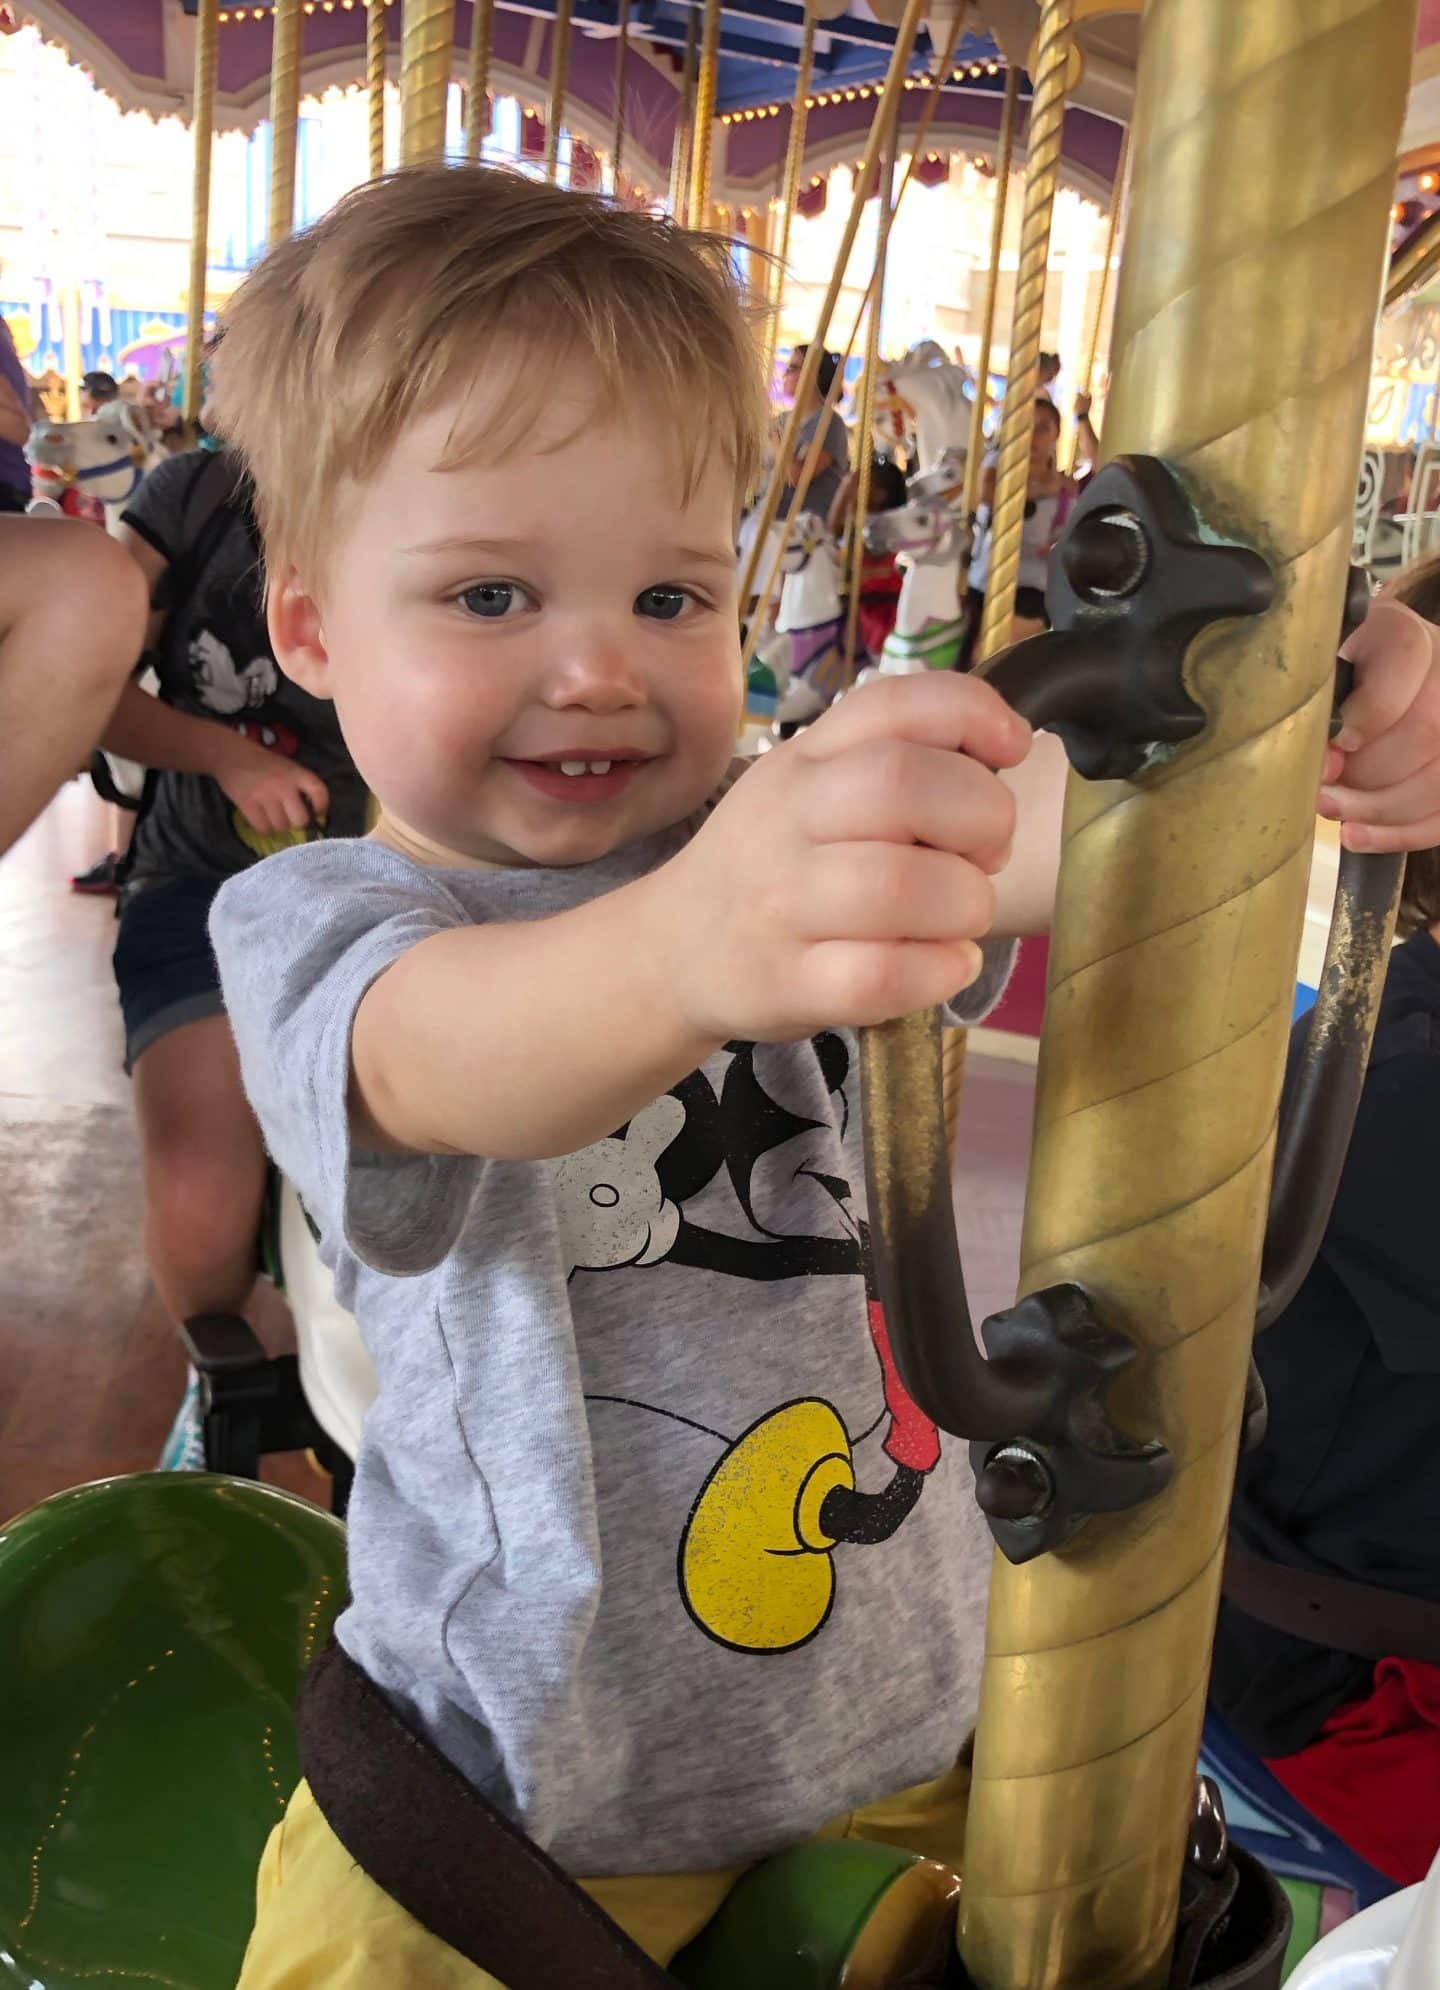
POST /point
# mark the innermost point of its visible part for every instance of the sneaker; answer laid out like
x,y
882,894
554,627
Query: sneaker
x,y
100,880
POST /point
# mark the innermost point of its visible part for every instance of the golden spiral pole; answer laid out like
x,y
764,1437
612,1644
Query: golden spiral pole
x,y
559,73
206,35
477,85
1416,259
622,52
286,30
1172,965
678,200
790,190
375,82
886,107
1004,152
426,53
1112,236
706,88
865,422
1042,174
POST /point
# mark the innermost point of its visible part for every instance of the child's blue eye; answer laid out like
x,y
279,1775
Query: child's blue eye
x,y
662,604
493,599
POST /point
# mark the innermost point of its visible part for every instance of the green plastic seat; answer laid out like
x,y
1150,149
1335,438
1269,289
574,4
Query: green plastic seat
x,y
153,1635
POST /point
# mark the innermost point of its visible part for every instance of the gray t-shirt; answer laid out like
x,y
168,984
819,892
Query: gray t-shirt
x,y
590,1555
825,483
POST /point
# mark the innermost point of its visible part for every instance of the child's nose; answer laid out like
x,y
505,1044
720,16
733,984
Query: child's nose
x,y
598,673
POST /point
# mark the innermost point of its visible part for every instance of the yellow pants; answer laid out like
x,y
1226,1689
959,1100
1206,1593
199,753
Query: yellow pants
x,y
323,1924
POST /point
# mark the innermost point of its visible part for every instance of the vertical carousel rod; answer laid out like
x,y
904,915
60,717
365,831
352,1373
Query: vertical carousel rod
x,y
622,53
285,39
375,82
794,162
1004,152
1172,966
206,32
1042,175
889,99
426,50
865,423
477,87
679,198
1112,237
706,89
559,73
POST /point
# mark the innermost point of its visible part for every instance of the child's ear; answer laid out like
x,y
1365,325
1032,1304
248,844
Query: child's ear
x,y
297,634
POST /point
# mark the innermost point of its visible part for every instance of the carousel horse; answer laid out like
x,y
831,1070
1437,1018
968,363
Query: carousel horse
x,y
931,546
924,393
87,469
804,658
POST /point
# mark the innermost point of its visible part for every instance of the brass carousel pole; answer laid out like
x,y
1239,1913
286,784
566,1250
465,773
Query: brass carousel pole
x,y
810,372
427,42
865,422
1417,258
477,88
1004,151
1112,236
1042,174
794,161
285,35
1173,958
706,87
559,72
375,82
622,52
684,125
206,32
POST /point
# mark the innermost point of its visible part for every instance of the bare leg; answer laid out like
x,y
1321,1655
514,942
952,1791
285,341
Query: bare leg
x,y
204,1167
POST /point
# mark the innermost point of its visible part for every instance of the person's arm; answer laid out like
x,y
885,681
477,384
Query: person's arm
x,y
845,880
14,417
72,612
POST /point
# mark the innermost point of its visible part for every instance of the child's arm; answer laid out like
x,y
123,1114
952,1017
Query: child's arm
x,y
844,881
72,615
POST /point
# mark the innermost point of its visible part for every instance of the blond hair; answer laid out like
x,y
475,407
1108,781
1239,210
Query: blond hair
x,y
399,298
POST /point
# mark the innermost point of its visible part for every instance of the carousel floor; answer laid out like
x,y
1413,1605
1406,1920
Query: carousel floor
x,y
90,1371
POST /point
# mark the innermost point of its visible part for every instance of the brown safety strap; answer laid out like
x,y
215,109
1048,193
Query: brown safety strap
x,y
1331,1610
464,1871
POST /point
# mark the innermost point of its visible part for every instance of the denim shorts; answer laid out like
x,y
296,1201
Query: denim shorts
x,y
163,964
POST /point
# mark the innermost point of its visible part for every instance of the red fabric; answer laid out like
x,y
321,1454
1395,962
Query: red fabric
x,y
1373,1776
876,619
912,1438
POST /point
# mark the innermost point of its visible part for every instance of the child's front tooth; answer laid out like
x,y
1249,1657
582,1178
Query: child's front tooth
x,y
572,767
599,766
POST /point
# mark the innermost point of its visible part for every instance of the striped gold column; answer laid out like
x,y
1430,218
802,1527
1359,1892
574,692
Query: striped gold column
x,y
375,82
286,31
679,195
706,87
426,55
203,113
559,74
477,87
865,418
1173,957
790,189
622,53
1112,236
1042,176
1004,152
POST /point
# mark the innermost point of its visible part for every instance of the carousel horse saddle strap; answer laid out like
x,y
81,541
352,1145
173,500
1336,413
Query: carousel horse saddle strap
x,y
1332,1610
411,1821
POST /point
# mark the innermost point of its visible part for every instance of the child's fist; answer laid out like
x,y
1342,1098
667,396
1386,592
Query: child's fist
x,y
1383,771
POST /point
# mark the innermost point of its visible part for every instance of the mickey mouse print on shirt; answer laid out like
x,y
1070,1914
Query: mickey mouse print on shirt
x,y
756,1558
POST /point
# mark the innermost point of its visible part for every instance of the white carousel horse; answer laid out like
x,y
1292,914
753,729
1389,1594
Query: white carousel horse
x,y
928,390
1394,1945
931,545
103,459
805,656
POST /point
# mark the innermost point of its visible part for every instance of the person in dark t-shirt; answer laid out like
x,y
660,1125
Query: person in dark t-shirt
x,y
242,762
833,460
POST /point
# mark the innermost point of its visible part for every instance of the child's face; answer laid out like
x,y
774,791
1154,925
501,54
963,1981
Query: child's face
x,y
481,628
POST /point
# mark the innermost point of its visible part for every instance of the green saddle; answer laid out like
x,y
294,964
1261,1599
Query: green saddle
x,y
153,1635
154,1632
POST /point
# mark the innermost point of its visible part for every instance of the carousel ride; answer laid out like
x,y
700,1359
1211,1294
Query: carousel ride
x,y
157,1628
